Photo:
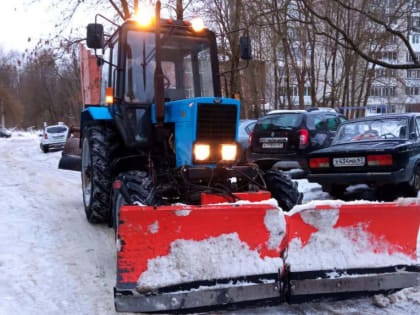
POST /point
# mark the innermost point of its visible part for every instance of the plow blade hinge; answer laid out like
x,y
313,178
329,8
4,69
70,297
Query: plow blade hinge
x,y
196,299
365,283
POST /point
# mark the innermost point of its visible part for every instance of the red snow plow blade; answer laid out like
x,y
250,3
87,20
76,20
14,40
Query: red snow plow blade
x,y
347,249
193,257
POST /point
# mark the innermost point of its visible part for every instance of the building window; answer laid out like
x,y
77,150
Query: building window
x,y
382,91
410,59
415,21
293,91
412,90
382,73
413,74
415,39
390,55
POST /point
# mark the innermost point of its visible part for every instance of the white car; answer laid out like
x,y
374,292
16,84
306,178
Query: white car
x,y
54,137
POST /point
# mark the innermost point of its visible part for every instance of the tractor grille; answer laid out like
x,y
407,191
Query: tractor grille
x,y
216,123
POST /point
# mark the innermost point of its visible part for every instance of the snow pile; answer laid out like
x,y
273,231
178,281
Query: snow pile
x,y
327,204
154,228
182,213
408,201
275,223
29,134
272,202
331,248
219,257
400,297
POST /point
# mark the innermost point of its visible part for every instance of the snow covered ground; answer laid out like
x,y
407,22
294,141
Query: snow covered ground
x,y
53,262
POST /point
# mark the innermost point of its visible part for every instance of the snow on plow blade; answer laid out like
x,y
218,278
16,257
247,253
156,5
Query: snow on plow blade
x,y
179,257
344,249
189,257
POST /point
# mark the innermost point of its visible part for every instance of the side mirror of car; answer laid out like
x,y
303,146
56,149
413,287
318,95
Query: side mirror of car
x,y
413,135
95,36
245,48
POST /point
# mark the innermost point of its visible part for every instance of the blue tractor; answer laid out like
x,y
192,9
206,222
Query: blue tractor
x,y
163,133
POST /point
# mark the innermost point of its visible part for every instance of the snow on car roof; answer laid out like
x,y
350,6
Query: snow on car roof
x,y
281,111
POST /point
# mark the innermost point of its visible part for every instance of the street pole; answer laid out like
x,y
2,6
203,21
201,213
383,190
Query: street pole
x,y
2,113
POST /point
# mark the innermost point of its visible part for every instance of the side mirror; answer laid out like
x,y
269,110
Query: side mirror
x,y
245,47
95,36
413,135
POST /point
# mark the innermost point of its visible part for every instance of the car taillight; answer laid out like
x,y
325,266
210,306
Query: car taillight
x,y
379,160
319,162
303,137
45,136
250,138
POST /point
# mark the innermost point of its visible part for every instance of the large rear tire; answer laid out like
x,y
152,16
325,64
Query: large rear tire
x,y
283,189
139,186
98,146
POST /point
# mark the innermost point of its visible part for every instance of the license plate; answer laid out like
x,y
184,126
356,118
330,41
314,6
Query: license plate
x,y
349,161
274,145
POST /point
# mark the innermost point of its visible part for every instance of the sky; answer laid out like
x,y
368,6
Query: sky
x,y
20,21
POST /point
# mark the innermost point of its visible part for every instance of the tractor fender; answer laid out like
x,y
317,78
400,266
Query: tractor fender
x,y
94,113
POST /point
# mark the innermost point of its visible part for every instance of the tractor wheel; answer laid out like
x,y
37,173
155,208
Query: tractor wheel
x,y
98,145
139,186
283,189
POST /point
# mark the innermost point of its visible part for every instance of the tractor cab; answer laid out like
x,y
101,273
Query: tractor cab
x,y
188,61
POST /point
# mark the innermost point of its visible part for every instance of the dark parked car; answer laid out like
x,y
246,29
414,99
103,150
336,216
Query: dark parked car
x,y
283,138
4,133
381,151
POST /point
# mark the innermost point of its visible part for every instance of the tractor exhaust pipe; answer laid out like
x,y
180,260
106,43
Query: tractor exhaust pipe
x,y
158,79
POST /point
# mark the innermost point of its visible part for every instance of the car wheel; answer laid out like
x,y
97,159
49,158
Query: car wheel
x,y
413,184
44,148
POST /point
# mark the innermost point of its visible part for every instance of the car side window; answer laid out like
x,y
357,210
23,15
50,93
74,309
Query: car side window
x,y
418,126
250,127
331,123
314,122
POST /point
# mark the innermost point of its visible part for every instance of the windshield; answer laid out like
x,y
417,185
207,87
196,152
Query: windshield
x,y
288,121
186,66
372,130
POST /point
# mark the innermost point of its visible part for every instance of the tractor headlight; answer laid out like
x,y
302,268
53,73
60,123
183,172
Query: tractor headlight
x,y
145,15
201,152
197,24
229,152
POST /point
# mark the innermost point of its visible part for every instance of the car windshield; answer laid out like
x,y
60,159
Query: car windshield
x,y
56,129
186,66
288,121
372,130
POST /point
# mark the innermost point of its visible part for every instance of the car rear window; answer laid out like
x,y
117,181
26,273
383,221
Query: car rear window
x,y
287,120
373,130
56,129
